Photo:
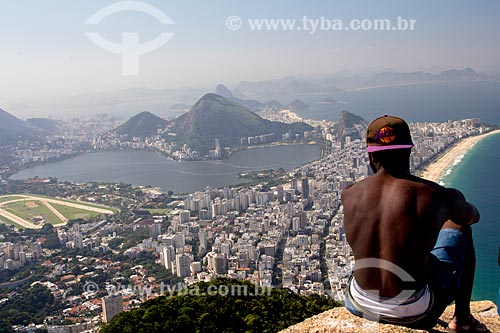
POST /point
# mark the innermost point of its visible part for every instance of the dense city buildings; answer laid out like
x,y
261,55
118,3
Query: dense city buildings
x,y
288,235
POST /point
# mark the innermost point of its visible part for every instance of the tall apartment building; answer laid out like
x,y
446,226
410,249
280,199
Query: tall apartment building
x,y
182,263
111,306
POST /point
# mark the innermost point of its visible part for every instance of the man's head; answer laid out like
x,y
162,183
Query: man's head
x,y
389,143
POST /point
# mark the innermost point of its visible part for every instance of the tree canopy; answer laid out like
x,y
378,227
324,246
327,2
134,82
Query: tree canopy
x,y
221,305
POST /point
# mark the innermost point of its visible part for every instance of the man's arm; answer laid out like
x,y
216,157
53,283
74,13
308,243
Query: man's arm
x,y
461,212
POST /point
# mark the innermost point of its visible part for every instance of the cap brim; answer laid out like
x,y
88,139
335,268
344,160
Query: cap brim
x,y
372,149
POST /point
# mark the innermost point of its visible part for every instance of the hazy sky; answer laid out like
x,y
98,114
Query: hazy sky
x,y
45,53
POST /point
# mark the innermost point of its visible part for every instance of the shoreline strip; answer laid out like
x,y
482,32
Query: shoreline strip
x,y
438,168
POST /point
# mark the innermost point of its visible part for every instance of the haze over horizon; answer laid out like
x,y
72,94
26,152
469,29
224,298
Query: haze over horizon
x,y
46,55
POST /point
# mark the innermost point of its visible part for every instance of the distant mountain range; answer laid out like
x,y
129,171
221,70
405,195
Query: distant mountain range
x,y
212,117
168,103
466,74
289,88
286,88
387,78
13,129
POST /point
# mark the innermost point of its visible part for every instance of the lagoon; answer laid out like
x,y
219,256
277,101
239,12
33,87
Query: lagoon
x,y
148,168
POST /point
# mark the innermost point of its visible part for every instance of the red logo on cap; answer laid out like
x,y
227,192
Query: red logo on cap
x,y
385,135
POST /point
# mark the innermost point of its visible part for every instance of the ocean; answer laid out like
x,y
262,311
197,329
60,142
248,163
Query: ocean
x,y
477,177
419,102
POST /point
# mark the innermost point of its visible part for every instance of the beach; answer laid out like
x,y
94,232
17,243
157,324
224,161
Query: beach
x,y
436,169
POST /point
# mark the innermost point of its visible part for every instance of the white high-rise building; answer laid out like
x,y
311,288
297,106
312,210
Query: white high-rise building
x,y
169,257
218,149
111,306
215,209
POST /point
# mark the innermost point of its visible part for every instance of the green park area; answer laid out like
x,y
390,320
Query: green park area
x,y
32,210
157,211
72,213
36,210
8,221
83,203
5,198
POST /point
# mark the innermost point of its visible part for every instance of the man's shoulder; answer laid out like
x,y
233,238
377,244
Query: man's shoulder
x,y
425,184
428,191
355,186
355,189
421,185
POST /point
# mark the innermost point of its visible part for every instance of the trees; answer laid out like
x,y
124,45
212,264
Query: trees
x,y
115,243
222,305
29,305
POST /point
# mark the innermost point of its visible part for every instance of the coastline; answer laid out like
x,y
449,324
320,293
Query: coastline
x,y
437,169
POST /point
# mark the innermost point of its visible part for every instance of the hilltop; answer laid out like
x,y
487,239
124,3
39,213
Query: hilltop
x,y
212,117
215,117
144,124
13,129
44,124
197,309
347,123
340,320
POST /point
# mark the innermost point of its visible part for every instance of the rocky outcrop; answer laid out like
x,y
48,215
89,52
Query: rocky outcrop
x,y
341,320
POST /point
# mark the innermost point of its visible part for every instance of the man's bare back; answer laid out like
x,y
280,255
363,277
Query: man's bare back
x,y
395,219
411,226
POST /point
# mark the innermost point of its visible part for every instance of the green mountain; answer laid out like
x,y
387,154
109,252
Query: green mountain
x,y
197,309
144,124
215,117
13,129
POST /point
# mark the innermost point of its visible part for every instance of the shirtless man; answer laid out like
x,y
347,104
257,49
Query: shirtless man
x,y
395,219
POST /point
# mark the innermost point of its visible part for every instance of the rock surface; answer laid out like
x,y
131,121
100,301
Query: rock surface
x,y
341,320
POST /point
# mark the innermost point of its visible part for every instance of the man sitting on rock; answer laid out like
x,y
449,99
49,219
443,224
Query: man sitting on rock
x,y
411,239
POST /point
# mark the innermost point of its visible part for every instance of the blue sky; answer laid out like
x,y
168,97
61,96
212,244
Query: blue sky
x,y
45,52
